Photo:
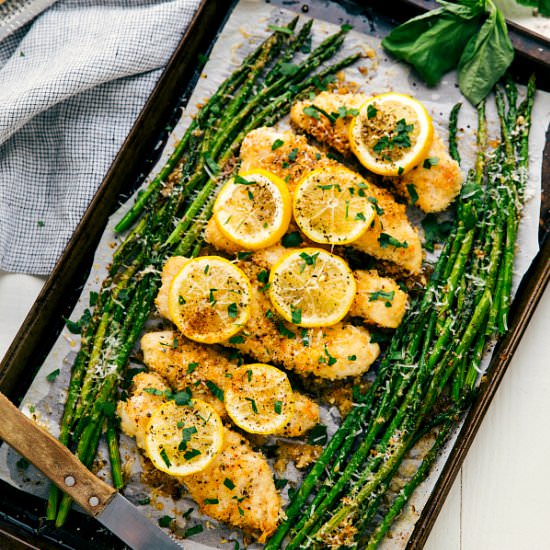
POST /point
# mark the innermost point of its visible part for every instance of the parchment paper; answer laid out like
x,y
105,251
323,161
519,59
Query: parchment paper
x,y
245,28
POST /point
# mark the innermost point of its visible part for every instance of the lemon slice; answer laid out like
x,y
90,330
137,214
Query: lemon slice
x,y
253,209
331,206
391,134
183,439
311,287
209,299
259,399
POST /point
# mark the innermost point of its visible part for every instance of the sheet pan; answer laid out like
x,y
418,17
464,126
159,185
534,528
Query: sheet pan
x,y
531,293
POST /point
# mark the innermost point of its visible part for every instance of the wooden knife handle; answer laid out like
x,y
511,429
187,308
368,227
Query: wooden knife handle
x,y
53,459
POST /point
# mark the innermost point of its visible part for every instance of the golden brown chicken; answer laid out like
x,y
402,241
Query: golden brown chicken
x,y
432,185
236,488
185,364
391,237
331,352
379,300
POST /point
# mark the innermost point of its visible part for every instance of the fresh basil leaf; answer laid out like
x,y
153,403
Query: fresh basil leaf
x,y
433,43
485,59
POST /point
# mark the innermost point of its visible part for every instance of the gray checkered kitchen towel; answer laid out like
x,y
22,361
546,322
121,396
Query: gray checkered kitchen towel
x,y
72,83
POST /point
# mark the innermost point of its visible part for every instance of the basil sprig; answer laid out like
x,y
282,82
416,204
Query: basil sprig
x,y
469,34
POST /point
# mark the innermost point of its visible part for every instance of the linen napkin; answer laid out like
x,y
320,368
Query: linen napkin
x,y
72,82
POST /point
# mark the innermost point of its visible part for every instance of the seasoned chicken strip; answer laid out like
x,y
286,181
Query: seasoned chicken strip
x,y
391,237
185,364
379,300
249,500
322,129
331,352
436,185
134,413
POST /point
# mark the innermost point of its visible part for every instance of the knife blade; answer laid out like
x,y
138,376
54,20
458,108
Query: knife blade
x,y
100,500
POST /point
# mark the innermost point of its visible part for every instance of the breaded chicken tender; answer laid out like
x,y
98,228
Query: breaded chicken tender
x,y
391,237
369,303
185,364
249,500
322,129
436,185
379,298
330,352
134,413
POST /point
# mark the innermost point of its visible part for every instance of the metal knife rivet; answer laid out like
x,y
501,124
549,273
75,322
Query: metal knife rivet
x,y
70,481
94,501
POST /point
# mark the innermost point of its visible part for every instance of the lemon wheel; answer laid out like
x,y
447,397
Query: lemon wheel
x,y
183,439
331,206
311,287
259,399
391,134
253,209
209,299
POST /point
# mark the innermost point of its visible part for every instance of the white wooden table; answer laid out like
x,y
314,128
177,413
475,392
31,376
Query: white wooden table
x,y
500,500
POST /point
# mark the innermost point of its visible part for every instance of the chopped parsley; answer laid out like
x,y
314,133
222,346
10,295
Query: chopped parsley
x,y
276,144
232,310
309,259
181,398
296,314
252,404
412,193
237,339
278,407
195,530
429,162
399,138
191,453
191,367
377,207
165,521
315,112
243,181
228,483
165,458
53,375
284,331
244,255
293,154
371,111
387,297
218,392
344,112
186,435
386,240
211,501
211,298
291,239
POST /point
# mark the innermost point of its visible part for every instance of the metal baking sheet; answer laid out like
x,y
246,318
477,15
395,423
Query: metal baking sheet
x,y
436,102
